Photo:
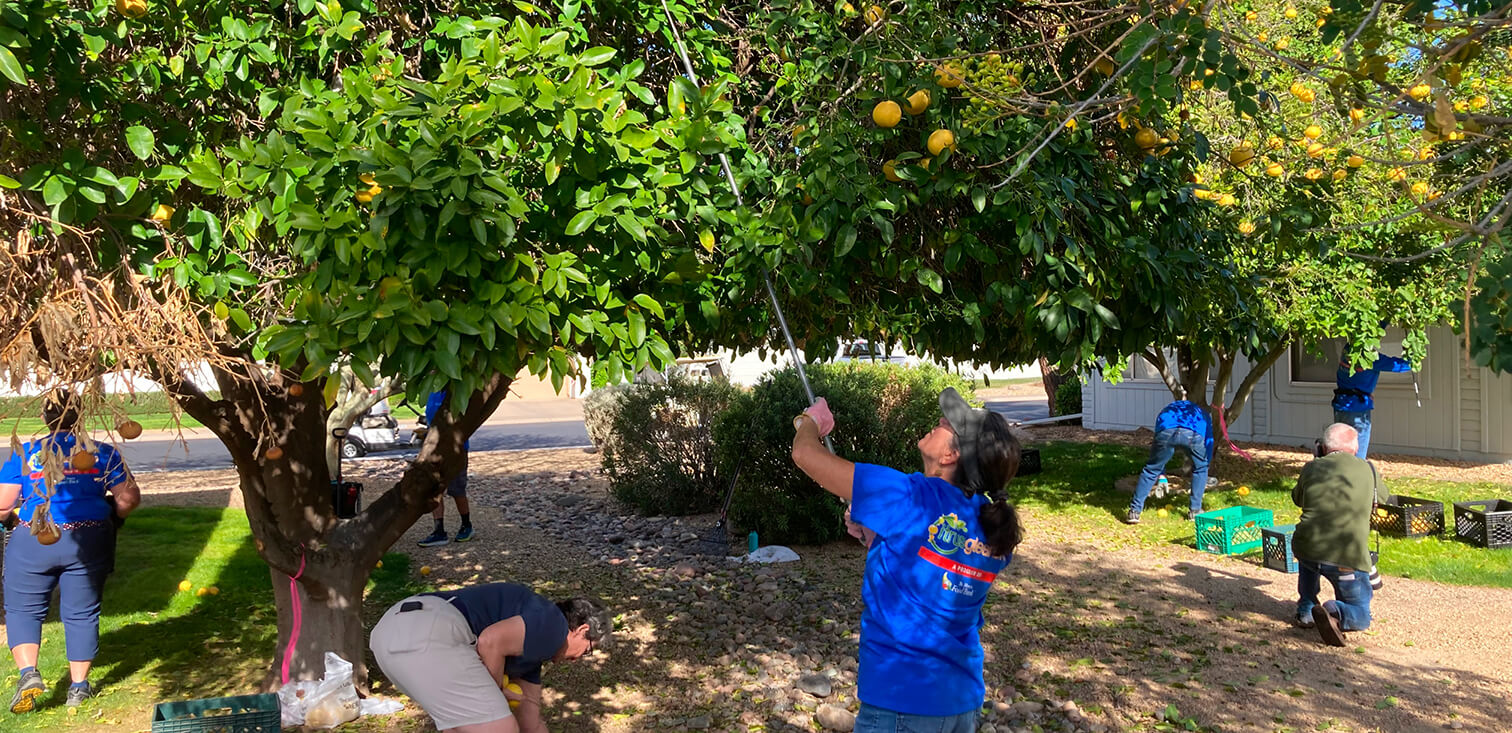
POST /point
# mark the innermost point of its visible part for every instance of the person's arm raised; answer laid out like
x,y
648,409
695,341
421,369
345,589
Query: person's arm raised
x,y
833,473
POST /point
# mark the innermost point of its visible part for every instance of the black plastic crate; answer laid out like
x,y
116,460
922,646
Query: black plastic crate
x,y
1484,523
1406,516
1029,462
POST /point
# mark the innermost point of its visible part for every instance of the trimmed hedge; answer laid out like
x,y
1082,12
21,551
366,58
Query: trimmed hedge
x,y
660,456
881,411
1068,396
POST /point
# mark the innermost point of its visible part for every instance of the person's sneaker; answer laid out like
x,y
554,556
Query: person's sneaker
x,y
435,539
1132,518
1328,626
77,695
464,534
29,689
1303,622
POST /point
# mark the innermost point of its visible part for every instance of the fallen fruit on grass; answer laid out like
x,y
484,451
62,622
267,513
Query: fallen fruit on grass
x,y
214,591
202,592
185,585
1244,491
425,570
1162,513
129,430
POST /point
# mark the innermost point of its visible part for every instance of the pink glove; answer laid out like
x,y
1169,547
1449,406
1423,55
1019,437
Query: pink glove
x,y
819,412
858,531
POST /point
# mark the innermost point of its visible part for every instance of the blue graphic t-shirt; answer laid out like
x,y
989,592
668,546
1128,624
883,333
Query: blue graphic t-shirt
x,y
927,575
1354,388
1187,414
80,496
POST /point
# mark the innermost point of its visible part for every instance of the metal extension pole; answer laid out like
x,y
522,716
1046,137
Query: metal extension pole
x,y
766,275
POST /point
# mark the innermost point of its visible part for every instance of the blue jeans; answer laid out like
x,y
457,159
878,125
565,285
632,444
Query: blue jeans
x,y
1351,592
873,719
77,565
1360,421
1161,452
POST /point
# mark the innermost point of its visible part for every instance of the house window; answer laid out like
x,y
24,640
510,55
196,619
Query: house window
x,y
1321,366
1140,368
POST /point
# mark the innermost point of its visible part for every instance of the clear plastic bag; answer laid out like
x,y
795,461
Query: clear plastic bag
x,y
324,704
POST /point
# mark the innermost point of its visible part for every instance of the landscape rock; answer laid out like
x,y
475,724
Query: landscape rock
x,y
815,684
834,717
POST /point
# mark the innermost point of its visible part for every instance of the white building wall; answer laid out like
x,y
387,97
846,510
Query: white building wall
x,y
1464,414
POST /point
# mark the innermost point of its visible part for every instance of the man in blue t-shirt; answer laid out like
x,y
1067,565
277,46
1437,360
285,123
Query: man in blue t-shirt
x,y
1354,394
940,541
457,489
1183,425
454,652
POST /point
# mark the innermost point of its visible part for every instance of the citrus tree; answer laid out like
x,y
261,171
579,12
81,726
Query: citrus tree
x,y
284,193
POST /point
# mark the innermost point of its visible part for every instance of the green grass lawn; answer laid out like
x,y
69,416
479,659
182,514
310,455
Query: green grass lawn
x,y
158,643
152,409
1076,491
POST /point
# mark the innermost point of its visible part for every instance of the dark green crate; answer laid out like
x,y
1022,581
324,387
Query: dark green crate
x,y
1232,531
239,714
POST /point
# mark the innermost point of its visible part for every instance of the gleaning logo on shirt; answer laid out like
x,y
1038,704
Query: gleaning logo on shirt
x,y
947,536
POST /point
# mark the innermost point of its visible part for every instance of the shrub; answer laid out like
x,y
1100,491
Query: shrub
x,y
881,411
599,410
1068,396
660,455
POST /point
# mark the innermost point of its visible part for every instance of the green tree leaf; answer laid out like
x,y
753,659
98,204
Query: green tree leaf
x,y
141,141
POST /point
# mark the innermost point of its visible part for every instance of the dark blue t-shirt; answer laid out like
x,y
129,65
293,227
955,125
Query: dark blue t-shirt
x,y
927,575
1354,388
80,496
433,405
545,626
1189,415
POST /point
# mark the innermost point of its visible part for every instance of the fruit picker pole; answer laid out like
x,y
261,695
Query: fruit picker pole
x,y
766,275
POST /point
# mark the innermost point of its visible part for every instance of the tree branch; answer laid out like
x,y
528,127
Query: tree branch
x,y
1247,385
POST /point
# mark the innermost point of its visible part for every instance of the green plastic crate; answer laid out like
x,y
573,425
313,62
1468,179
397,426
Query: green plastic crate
x,y
239,714
1232,531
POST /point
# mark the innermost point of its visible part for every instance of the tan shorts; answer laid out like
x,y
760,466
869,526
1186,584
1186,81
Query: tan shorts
x,y
429,654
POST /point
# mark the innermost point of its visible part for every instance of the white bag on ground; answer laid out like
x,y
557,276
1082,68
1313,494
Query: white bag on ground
x,y
324,704
769,554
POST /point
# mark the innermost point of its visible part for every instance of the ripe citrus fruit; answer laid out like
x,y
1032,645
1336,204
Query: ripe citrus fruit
x,y
1242,155
1246,227
363,197
1397,174
890,171
1274,170
1162,513
1340,174
163,212
1313,132
917,102
512,687
129,430
875,14
1227,200
367,178
1104,66
1356,114
949,75
1290,13
214,591
273,453
1146,138
185,585
202,592
425,570
1315,150
1419,188
939,140
1244,491
1313,174
1355,161
132,8
887,113
296,389
1419,91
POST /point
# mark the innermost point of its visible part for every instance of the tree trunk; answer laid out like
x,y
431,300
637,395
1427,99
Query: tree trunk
x,y
330,620
1052,380
277,441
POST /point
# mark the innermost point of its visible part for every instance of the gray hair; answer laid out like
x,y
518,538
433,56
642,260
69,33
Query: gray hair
x,y
1339,437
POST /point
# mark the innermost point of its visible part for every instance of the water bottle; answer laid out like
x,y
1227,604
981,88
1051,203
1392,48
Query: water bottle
x,y
751,543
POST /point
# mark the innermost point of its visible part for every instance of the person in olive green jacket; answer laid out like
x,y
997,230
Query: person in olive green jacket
x,y
1336,493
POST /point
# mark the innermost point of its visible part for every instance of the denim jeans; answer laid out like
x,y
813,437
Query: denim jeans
x,y
1360,421
1351,592
1161,452
873,719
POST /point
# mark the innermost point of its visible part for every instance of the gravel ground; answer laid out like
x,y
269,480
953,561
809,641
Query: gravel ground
x,y
1081,635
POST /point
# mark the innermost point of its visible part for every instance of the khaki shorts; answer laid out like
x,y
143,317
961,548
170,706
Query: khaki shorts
x,y
429,654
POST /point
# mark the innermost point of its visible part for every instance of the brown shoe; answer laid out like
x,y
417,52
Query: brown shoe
x,y
1328,626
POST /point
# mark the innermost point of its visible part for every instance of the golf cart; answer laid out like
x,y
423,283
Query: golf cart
x,y
374,431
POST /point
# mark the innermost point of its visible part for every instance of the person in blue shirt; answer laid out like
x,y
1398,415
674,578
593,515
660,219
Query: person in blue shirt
x,y
65,541
1353,400
457,489
941,538
1183,425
